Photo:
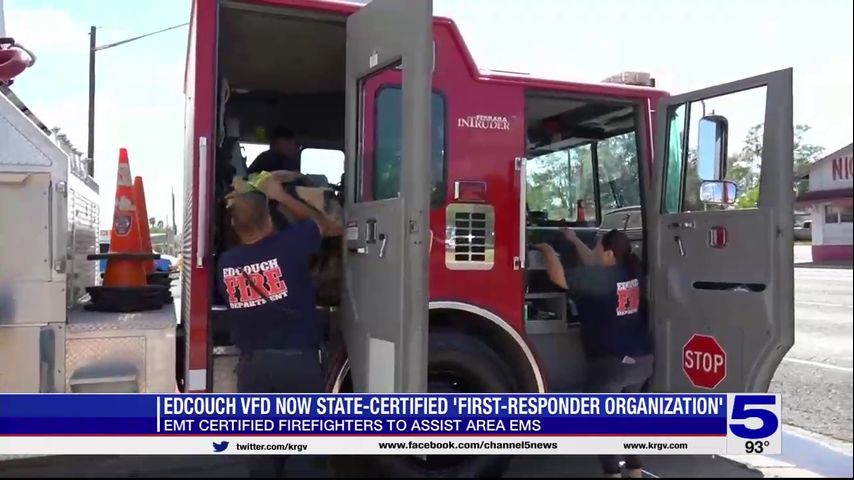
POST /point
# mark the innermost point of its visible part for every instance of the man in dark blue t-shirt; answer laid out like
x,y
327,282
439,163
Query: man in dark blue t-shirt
x,y
271,299
284,153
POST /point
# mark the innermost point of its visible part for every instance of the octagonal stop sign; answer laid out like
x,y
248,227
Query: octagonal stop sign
x,y
704,361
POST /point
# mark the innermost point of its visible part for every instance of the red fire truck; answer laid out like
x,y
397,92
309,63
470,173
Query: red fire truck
x,y
444,196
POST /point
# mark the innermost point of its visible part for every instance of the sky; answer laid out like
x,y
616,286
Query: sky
x,y
685,44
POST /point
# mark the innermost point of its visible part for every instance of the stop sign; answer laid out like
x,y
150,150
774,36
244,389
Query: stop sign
x,y
704,361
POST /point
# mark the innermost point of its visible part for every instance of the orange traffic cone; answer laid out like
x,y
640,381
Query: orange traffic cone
x,y
125,285
152,276
142,217
124,239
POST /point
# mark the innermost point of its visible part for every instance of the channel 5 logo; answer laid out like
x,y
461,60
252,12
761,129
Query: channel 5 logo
x,y
753,417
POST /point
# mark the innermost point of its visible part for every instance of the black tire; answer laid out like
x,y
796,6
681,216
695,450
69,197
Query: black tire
x,y
458,363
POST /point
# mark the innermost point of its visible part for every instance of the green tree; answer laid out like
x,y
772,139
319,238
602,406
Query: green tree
x,y
744,167
619,181
557,180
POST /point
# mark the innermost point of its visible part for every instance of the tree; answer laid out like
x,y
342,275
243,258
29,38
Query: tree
x,y
160,225
152,221
557,180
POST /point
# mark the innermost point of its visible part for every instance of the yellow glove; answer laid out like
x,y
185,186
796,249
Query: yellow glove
x,y
256,180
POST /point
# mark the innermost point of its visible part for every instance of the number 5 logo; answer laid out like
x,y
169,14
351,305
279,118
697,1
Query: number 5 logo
x,y
741,410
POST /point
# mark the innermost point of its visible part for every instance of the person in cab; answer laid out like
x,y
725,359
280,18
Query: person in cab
x,y
284,153
271,300
606,288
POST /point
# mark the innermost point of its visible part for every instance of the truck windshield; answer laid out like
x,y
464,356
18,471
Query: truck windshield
x,y
560,183
619,181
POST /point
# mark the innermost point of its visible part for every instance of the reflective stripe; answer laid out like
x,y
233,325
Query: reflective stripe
x,y
198,380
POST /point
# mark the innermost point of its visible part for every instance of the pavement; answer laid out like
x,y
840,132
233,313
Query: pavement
x,y
815,377
691,466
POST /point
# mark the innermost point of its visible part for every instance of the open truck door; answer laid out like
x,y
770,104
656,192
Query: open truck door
x,y
721,277
385,297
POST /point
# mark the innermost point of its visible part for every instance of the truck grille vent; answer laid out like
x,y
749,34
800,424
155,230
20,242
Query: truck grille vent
x,y
470,237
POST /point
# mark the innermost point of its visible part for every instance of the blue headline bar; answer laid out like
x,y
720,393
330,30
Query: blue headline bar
x,y
388,414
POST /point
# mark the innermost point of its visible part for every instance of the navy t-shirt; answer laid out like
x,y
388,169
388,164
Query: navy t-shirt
x,y
613,317
279,266
270,162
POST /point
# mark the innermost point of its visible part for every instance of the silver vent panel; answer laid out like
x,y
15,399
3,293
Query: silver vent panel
x,y
469,237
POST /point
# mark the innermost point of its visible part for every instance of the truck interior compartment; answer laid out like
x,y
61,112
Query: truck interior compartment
x,y
578,149
279,68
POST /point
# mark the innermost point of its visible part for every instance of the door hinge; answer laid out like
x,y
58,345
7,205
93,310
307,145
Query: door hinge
x,y
519,163
62,188
518,264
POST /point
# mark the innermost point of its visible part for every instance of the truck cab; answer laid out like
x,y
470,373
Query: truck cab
x,y
452,173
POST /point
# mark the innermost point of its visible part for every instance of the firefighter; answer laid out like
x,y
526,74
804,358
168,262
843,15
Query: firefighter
x,y
284,153
614,329
270,296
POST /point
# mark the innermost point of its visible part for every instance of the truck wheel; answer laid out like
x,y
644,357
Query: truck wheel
x,y
458,363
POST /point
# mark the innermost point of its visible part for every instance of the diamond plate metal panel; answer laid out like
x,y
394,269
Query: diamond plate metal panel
x,y
82,321
83,352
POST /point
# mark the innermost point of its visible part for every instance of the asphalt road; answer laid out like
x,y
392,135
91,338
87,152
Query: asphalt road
x,y
815,378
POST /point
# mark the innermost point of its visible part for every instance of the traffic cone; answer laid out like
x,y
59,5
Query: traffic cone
x,y
142,218
152,276
125,285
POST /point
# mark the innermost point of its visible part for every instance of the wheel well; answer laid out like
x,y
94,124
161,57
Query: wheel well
x,y
518,362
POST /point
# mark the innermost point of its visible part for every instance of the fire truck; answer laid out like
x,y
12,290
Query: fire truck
x,y
440,289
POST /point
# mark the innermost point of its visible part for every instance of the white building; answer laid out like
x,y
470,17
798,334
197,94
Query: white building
x,y
830,202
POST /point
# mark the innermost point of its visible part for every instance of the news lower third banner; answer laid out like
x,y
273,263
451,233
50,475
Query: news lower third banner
x,y
389,424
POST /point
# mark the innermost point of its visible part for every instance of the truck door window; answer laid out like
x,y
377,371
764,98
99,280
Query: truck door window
x,y
387,147
559,182
675,159
619,180
744,112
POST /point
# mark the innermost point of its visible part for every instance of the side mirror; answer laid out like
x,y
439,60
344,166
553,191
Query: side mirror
x,y
721,192
712,147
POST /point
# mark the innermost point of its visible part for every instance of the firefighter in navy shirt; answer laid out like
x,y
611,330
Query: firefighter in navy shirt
x,y
614,328
267,285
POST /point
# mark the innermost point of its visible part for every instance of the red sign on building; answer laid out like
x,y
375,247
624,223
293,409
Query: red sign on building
x,y
704,361
843,168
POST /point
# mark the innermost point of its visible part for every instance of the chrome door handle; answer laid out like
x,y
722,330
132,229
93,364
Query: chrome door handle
x,y
358,250
383,241
681,247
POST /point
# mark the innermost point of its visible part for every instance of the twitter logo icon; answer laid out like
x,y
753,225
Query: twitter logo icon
x,y
220,447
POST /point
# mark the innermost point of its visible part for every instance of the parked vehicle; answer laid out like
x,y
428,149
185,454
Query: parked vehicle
x,y
803,231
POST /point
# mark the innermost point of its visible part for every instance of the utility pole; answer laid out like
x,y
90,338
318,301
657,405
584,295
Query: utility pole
x,y
90,148
93,48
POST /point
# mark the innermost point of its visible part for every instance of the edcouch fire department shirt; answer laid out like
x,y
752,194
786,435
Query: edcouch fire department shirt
x,y
613,319
279,267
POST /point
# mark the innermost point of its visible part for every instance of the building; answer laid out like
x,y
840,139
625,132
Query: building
x,y
829,200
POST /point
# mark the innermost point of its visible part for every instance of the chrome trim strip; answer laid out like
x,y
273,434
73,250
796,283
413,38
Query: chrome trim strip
x,y
529,355
342,374
522,166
